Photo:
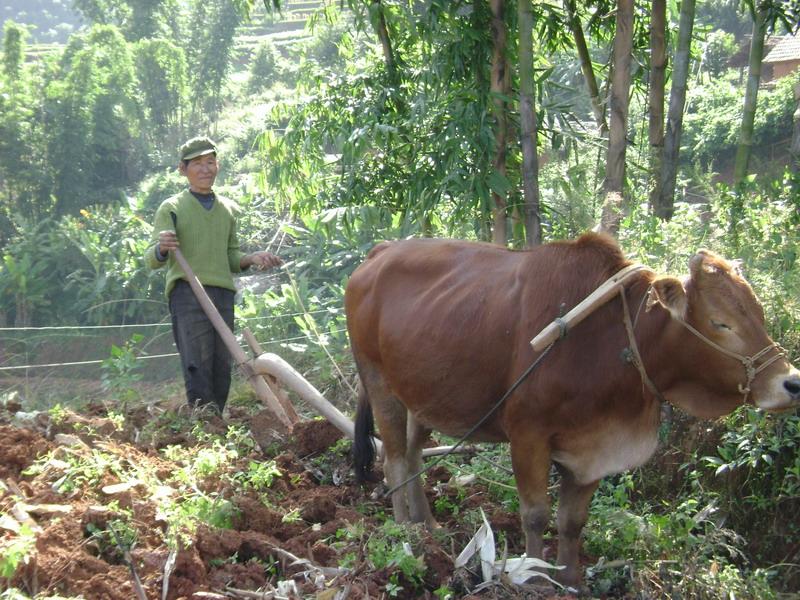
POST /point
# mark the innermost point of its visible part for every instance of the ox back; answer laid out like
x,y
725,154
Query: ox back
x,y
440,329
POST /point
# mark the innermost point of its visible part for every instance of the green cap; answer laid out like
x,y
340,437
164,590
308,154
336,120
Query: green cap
x,y
197,146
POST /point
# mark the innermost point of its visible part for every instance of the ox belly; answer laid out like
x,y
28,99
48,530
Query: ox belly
x,y
617,447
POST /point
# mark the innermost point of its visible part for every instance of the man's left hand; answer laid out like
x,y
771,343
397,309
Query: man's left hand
x,y
260,260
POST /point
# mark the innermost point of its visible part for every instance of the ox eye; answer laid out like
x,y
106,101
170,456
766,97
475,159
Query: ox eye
x,y
719,325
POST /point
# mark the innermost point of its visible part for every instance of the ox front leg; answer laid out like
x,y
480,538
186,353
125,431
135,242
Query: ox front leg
x,y
418,506
573,510
531,462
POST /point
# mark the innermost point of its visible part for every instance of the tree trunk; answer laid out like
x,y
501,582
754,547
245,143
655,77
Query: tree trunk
x,y
750,97
499,88
527,109
658,71
677,101
795,148
618,126
586,67
386,42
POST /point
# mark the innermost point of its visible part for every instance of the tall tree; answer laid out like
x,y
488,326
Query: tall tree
x,y
795,147
13,44
677,102
24,174
137,19
93,118
528,132
161,74
618,125
756,57
658,73
500,86
209,49
587,69
378,19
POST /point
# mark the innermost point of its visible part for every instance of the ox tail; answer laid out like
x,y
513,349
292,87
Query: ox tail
x,y
363,442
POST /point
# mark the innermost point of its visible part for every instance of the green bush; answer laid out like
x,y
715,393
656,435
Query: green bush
x,y
265,69
714,114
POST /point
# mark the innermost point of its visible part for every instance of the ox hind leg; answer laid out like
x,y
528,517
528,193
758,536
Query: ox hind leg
x,y
573,510
400,454
418,506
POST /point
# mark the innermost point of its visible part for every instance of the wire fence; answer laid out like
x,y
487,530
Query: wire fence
x,y
70,354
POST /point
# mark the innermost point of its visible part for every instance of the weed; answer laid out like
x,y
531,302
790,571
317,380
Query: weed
x,y
182,515
444,593
259,475
293,516
329,463
391,548
117,419
117,537
16,550
79,472
122,371
57,414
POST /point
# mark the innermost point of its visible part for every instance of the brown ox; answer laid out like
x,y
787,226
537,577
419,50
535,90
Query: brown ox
x,y
440,329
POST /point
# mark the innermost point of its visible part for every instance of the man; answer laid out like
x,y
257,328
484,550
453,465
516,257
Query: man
x,y
204,226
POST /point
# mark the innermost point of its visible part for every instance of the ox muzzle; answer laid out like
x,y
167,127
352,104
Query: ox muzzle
x,y
792,386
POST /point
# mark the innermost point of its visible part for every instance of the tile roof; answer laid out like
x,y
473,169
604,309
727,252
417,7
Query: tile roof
x,y
788,48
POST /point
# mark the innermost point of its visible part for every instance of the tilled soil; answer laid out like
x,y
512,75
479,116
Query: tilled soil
x,y
306,535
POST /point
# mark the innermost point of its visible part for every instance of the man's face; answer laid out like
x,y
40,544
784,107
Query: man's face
x,y
201,172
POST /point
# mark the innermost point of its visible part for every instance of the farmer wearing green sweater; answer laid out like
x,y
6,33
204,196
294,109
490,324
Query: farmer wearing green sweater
x,y
203,224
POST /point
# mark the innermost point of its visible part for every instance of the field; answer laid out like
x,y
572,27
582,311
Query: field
x,y
197,507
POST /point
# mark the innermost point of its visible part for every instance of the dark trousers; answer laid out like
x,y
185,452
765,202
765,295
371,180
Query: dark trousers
x,y
205,360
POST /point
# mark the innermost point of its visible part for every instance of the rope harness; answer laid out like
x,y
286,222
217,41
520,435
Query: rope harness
x,y
750,363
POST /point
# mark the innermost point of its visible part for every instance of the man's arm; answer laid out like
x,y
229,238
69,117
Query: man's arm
x,y
260,259
163,239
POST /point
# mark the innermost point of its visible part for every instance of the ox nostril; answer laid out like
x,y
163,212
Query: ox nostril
x,y
793,386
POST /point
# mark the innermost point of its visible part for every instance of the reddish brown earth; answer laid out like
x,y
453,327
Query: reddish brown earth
x,y
246,561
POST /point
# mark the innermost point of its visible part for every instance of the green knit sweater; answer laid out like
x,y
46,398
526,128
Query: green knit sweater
x,y
208,240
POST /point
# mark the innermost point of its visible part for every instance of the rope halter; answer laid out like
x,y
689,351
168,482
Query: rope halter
x,y
750,363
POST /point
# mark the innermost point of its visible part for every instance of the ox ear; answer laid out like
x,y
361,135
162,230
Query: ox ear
x,y
737,267
669,293
706,262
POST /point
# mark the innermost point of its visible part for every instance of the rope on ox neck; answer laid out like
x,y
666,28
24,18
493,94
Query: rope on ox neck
x,y
748,362
635,357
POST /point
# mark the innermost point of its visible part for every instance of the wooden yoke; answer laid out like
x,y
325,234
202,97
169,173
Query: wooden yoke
x,y
587,306
256,380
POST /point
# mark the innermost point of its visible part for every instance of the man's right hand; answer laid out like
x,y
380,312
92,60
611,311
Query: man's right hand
x,y
167,241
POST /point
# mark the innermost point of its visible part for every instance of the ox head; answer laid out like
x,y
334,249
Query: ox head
x,y
723,318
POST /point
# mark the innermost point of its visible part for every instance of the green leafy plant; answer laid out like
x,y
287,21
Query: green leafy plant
x,y
57,414
122,371
79,472
391,547
115,538
258,476
293,516
16,550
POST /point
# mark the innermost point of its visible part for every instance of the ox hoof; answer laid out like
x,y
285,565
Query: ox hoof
x,y
432,525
